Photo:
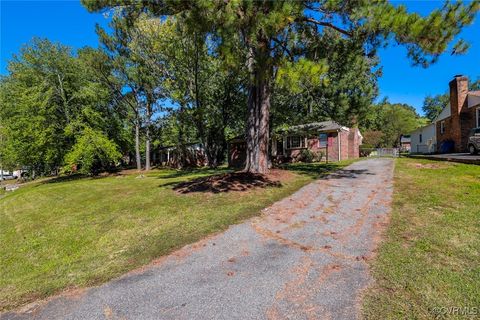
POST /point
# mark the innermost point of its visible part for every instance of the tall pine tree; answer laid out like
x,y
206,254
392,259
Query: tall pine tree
x,y
272,31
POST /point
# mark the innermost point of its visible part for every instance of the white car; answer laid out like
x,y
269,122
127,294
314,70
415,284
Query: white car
x,y
7,175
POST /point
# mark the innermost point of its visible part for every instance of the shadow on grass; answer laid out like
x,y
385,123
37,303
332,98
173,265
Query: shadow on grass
x,y
78,176
235,181
66,178
177,173
170,174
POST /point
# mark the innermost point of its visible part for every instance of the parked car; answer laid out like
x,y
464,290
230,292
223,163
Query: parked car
x,y
474,141
8,176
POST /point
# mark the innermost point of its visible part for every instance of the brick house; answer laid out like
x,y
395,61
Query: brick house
x,y
327,138
454,123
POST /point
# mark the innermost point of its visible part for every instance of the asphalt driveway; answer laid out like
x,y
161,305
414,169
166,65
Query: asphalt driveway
x,y
304,258
454,157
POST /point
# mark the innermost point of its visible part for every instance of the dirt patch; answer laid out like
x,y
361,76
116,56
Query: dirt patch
x,y
236,181
429,165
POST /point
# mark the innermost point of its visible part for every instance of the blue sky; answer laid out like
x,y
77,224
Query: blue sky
x,y
69,23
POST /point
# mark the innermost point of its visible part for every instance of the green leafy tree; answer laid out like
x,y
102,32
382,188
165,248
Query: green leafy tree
x,y
127,72
40,100
347,91
273,30
92,152
387,122
48,98
433,105
373,138
206,92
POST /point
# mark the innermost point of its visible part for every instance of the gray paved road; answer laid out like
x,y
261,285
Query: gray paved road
x,y
304,258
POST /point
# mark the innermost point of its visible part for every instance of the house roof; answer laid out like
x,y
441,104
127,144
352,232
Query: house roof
x,y
323,126
423,128
473,98
446,112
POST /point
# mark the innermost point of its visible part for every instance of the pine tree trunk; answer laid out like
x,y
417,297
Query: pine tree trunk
x,y
258,110
258,129
137,145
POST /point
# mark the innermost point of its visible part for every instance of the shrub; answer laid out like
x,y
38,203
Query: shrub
x,y
92,152
320,156
307,156
366,150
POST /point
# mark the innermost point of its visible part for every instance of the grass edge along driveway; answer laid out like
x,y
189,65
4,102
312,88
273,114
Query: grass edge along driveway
x,y
81,232
428,265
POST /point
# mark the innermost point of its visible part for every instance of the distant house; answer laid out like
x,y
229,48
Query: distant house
x,y
194,155
453,127
423,140
449,131
405,143
328,139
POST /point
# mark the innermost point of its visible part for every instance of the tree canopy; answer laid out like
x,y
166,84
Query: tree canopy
x,y
174,73
49,100
278,35
386,122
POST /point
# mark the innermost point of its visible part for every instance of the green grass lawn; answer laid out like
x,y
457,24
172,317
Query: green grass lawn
x,y
65,233
430,258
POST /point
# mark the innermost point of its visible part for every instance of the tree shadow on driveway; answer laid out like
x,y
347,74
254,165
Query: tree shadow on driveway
x,y
348,173
325,170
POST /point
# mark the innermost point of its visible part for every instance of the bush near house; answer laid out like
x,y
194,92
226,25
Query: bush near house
x,y
307,156
366,150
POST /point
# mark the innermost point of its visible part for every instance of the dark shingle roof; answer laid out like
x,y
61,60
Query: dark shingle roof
x,y
316,126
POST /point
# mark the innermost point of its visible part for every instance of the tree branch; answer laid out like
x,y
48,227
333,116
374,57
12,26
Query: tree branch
x,y
328,25
284,47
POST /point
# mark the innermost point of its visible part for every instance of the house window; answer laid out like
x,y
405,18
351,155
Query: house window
x,y
295,142
323,139
420,138
442,127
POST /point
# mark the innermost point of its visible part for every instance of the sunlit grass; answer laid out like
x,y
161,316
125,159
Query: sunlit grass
x,y
430,259
84,231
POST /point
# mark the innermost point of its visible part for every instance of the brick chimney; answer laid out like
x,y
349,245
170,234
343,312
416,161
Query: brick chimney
x,y
458,94
457,125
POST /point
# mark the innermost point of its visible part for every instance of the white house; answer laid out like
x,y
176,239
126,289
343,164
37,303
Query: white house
x,y
423,140
449,131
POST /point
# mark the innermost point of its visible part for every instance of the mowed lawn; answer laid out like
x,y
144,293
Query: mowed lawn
x,y
429,262
67,234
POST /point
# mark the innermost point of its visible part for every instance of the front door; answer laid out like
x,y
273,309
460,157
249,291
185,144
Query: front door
x,y
280,147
